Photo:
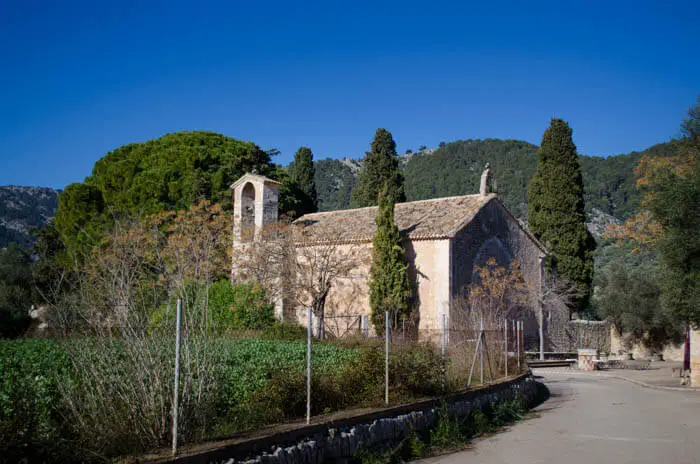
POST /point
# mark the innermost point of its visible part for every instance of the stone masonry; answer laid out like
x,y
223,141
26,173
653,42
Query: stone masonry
x,y
339,444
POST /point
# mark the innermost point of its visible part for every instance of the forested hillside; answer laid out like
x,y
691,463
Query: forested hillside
x,y
24,208
455,169
176,169
335,180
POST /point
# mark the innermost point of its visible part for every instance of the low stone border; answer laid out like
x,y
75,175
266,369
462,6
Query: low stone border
x,y
343,438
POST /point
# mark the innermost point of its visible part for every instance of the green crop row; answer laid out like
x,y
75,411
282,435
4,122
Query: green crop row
x,y
104,397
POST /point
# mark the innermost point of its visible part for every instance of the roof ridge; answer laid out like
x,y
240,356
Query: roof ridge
x,y
397,204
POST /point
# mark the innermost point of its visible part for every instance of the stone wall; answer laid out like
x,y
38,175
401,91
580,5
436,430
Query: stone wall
x,y
494,232
622,344
695,357
329,442
557,327
588,335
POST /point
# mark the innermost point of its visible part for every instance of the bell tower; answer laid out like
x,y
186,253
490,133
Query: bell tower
x,y
255,199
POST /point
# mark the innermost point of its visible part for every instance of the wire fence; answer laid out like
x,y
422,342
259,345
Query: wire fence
x,y
177,380
464,357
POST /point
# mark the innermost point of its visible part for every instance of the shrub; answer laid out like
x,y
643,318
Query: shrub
x,y
240,306
15,291
416,370
507,412
227,306
30,416
284,331
447,432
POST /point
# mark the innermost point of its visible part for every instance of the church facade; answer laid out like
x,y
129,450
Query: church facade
x,y
445,240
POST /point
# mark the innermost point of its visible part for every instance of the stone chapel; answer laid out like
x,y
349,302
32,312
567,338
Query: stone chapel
x,y
445,240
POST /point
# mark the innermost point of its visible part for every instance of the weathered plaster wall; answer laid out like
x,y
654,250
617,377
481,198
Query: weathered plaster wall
x,y
349,295
695,357
429,270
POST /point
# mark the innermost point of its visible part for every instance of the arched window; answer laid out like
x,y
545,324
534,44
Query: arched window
x,y
248,212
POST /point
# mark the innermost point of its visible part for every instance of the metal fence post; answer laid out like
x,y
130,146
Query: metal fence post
x,y
517,334
308,366
387,331
176,390
505,337
444,354
481,352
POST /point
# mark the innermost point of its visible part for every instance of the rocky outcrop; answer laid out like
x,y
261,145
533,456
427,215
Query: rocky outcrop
x,y
24,208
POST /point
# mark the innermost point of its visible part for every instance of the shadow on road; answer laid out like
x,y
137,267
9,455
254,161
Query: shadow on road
x,y
542,395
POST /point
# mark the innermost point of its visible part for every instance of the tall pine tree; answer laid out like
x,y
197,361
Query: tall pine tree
x,y
556,209
302,173
389,286
381,167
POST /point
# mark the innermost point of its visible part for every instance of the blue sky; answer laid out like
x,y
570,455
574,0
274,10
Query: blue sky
x,y
78,79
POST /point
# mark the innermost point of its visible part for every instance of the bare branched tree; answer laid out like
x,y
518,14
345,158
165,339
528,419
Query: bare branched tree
x,y
295,269
141,266
496,293
315,269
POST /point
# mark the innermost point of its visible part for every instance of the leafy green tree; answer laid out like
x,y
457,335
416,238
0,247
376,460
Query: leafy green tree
x,y
79,218
302,172
381,167
675,204
630,298
50,269
175,170
15,291
556,209
389,285
168,173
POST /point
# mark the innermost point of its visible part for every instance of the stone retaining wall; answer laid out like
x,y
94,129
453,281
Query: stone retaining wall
x,y
335,443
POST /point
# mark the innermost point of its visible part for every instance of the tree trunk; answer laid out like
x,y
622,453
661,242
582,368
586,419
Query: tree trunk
x,y
319,309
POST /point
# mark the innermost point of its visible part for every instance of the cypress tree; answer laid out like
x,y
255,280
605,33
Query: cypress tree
x,y
302,175
389,286
556,209
381,167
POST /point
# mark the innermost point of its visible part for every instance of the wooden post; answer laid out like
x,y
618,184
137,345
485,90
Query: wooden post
x,y
176,390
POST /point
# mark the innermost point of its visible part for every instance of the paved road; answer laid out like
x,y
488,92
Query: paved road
x,y
596,420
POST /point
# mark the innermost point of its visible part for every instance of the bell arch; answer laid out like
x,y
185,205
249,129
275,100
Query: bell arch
x,y
248,200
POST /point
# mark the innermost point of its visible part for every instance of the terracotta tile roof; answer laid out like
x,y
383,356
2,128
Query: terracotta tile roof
x,y
254,177
419,220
